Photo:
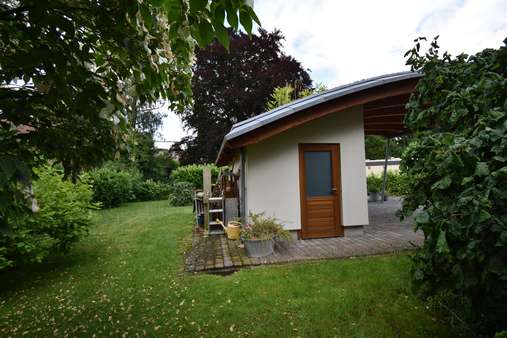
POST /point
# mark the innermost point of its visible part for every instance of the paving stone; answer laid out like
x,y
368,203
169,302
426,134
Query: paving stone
x,y
384,234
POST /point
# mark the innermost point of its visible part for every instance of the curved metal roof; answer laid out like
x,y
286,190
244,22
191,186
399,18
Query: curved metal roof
x,y
258,121
293,107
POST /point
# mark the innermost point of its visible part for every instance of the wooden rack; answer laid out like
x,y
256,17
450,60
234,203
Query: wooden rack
x,y
212,204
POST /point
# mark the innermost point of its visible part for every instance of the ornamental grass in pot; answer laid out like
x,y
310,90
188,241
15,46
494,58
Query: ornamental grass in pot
x,y
260,234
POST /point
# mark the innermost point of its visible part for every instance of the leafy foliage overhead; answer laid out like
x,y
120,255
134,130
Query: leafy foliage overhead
x,y
457,171
69,68
231,86
72,74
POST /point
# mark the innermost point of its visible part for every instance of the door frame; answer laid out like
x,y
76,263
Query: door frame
x,y
302,185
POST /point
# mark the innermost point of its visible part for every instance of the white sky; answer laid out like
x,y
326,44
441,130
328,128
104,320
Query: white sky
x,y
344,41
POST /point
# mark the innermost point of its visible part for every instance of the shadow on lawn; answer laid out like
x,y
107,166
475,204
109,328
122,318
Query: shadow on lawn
x,y
42,274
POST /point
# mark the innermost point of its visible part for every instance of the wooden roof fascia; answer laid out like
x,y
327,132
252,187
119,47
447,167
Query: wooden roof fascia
x,y
324,109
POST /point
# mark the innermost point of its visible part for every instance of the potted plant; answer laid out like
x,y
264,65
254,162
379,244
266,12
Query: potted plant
x,y
373,183
373,192
283,238
260,233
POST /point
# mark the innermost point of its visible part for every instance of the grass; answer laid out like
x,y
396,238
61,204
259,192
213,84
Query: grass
x,y
127,279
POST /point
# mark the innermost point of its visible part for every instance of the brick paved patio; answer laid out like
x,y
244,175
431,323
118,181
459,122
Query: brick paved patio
x,y
385,234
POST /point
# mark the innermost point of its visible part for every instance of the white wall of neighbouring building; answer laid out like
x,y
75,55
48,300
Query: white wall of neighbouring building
x,y
272,168
376,167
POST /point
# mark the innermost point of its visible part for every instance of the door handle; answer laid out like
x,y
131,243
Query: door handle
x,y
333,190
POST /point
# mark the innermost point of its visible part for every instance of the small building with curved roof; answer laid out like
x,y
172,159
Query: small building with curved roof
x,y
303,162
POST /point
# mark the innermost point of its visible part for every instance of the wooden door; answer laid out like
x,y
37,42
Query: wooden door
x,y
320,190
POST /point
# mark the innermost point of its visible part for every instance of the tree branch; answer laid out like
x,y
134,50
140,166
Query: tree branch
x,y
16,10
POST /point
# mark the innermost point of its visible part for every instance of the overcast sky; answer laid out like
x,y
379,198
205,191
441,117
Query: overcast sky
x,y
343,41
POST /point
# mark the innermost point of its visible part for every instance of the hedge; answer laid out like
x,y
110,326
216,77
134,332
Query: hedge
x,y
193,174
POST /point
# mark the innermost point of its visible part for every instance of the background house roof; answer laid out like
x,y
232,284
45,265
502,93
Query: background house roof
x,y
383,97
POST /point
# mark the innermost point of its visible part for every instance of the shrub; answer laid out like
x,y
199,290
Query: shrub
x,y
150,190
113,186
181,193
63,216
374,183
193,174
457,173
396,184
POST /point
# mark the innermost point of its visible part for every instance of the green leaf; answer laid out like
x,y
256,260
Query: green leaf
x,y
217,14
418,274
442,184
496,114
197,5
481,169
147,18
245,20
501,172
232,15
222,35
206,33
7,167
173,9
157,3
252,14
99,59
422,217
467,180
484,216
442,246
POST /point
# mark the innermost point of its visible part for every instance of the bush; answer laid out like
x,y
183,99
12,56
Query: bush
x,y
181,193
63,216
396,184
374,183
151,190
457,173
193,174
113,186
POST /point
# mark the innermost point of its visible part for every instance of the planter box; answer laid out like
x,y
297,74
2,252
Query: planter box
x,y
259,247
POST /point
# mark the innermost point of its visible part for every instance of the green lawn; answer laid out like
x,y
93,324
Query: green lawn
x,y
127,278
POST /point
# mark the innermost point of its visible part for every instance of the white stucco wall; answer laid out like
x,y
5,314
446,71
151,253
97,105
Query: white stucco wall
x,y
272,169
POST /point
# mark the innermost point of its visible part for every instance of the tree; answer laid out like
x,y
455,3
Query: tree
x,y
231,86
457,172
70,69
289,93
153,163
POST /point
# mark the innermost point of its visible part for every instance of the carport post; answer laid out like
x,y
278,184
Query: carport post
x,y
242,187
385,172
